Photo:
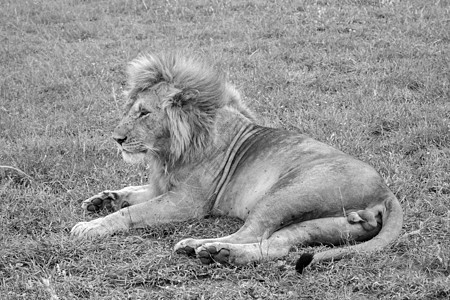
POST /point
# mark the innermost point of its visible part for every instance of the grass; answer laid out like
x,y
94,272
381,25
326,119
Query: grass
x,y
370,77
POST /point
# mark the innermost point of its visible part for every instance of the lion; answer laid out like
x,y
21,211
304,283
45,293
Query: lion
x,y
207,155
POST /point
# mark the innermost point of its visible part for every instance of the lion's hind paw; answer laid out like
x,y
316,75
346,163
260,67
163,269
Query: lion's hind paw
x,y
209,254
187,247
189,251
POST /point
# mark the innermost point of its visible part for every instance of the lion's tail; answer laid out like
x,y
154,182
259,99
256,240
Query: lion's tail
x,y
392,220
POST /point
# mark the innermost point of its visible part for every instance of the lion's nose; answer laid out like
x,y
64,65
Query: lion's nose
x,y
119,140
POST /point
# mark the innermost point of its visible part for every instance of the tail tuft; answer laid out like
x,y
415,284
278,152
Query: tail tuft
x,y
303,262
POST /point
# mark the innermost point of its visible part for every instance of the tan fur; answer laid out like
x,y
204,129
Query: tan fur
x,y
207,156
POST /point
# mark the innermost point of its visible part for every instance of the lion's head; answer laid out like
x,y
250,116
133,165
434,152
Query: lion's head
x,y
172,102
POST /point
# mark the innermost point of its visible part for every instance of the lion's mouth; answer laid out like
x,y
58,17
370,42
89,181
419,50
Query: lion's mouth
x,y
134,151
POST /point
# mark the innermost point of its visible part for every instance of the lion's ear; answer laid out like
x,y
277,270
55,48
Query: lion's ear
x,y
183,97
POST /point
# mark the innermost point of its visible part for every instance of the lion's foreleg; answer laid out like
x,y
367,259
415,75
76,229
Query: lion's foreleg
x,y
169,207
115,200
165,208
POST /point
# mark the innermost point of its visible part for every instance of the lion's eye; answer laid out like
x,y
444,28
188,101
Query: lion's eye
x,y
143,113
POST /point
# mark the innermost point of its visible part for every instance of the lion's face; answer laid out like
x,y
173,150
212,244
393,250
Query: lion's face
x,y
142,131
171,110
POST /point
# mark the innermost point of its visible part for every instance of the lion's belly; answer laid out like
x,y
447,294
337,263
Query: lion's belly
x,y
245,190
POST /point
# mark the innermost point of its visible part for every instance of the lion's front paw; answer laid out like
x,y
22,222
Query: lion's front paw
x,y
94,228
106,199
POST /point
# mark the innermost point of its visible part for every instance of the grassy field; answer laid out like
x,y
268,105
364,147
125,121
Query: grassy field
x,y
370,77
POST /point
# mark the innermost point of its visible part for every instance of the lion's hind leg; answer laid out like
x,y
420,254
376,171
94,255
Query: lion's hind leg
x,y
366,217
337,230
189,246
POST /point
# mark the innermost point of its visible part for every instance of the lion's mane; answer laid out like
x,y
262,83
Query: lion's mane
x,y
191,93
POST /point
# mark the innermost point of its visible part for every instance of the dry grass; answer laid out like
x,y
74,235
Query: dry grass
x,y
370,77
